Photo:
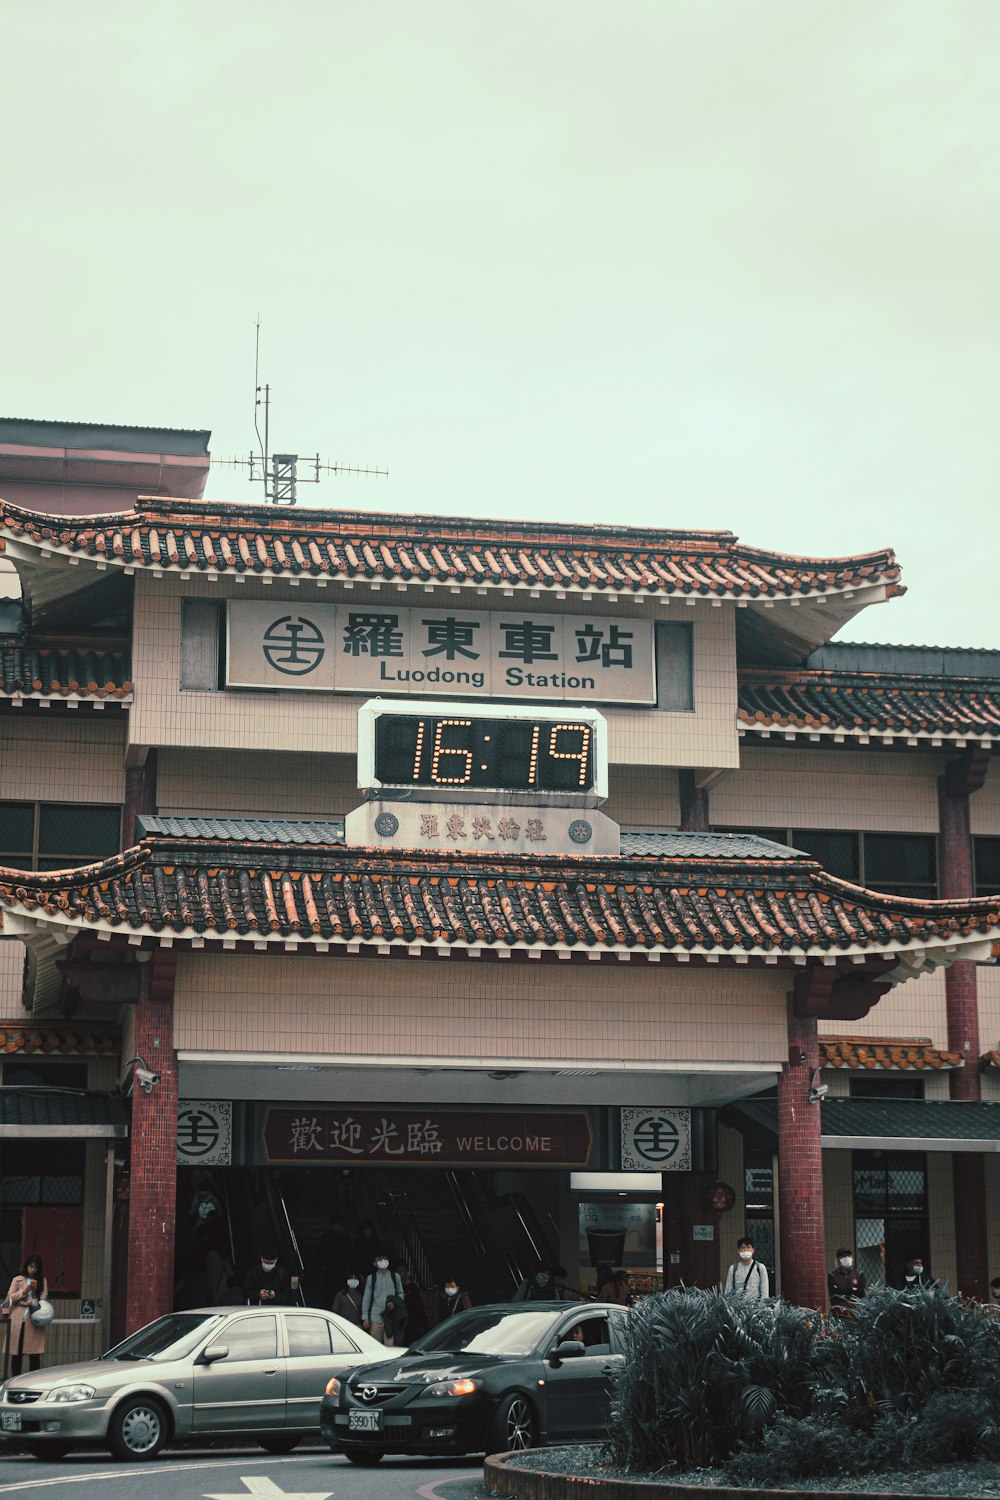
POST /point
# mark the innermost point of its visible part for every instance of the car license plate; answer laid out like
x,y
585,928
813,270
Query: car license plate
x,y
364,1421
10,1421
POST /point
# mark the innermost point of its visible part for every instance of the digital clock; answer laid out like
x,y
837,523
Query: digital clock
x,y
453,752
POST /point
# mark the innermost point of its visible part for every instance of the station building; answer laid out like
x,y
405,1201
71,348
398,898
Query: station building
x,y
738,970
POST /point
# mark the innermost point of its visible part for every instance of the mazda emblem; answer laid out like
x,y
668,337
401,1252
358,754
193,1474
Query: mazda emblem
x,y
368,1392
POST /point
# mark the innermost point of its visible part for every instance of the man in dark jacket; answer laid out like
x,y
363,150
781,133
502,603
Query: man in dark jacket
x,y
846,1284
267,1283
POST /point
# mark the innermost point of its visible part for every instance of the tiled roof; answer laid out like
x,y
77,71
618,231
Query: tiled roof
x,y
44,671
912,1119
253,541
863,704
852,1052
330,832
200,889
25,1037
54,1111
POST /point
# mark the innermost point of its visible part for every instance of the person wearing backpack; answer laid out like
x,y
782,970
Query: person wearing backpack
x,y
747,1276
383,1308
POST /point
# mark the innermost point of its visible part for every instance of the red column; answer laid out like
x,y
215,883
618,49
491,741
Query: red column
x,y
153,1177
140,796
800,1170
963,776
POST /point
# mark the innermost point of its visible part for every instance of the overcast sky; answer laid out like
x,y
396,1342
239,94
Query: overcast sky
x,y
692,263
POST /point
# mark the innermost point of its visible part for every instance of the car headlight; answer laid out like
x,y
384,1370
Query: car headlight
x,y
464,1387
333,1387
72,1392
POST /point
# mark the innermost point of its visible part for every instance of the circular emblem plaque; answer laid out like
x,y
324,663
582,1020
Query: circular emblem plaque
x,y
386,824
580,831
293,645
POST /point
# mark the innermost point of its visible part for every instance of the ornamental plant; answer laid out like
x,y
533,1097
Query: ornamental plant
x,y
705,1373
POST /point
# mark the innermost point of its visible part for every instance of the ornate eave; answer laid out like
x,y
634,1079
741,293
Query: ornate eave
x,y
233,895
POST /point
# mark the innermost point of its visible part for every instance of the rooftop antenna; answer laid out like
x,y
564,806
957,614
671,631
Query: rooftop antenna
x,y
279,472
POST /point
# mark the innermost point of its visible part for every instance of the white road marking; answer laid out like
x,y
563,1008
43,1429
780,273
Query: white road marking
x,y
430,1491
266,1489
123,1473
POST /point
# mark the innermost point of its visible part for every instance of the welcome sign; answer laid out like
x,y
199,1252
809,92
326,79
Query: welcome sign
x,y
371,649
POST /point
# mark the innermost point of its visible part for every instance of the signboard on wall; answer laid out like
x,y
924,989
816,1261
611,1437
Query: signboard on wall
x,y
520,652
657,1139
427,1137
56,1234
204,1133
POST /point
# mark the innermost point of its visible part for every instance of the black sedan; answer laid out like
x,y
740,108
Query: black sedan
x,y
488,1380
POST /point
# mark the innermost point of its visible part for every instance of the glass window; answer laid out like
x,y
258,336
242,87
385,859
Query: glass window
x,y
836,852
890,1181
30,1172
887,1086
901,864
250,1338
57,835
986,853
307,1336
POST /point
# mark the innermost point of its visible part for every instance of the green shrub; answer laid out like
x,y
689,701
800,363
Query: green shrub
x,y
706,1373
796,1448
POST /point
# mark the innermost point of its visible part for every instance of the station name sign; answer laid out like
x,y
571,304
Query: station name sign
x,y
370,648
429,1138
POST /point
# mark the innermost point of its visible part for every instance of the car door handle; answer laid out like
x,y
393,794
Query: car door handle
x,y
609,1369
272,1371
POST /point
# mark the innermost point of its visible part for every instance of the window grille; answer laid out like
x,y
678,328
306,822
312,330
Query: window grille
x,y
57,835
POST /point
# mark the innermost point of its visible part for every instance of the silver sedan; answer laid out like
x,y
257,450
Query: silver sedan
x,y
254,1372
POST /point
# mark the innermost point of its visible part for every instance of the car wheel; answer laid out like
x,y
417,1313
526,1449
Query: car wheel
x,y
138,1429
278,1444
365,1457
513,1425
47,1450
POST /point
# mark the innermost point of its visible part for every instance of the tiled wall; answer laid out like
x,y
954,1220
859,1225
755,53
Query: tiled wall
x,y
163,715
848,788
915,1010
11,975
372,1008
984,805
62,759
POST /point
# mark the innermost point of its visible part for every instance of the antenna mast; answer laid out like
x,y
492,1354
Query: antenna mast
x,y
279,472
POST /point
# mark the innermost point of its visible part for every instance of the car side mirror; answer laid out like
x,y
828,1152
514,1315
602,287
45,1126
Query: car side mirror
x,y
568,1349
214,1352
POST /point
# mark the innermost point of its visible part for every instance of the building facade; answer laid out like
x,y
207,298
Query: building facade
x,y
489,1006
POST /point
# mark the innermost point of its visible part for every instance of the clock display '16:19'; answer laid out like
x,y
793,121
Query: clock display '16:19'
x,y
518,755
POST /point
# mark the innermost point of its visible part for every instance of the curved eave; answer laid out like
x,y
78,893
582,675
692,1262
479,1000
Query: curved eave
x,y
394,553
839,734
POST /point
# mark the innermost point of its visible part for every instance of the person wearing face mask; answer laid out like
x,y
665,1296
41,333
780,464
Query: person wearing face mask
x,y
846,1284
452,1299
747,1276
347,1303
539,1287
383,1307
915,1277
267,1283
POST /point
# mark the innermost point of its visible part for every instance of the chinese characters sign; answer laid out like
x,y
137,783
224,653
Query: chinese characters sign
x,y
432,1138
56,1236
374,648
656,1139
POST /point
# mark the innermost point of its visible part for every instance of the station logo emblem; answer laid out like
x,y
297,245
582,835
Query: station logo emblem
x,y
656,1139
294,645
205,1133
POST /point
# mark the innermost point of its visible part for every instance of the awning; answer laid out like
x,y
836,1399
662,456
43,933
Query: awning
x,y
61,1114
880,1124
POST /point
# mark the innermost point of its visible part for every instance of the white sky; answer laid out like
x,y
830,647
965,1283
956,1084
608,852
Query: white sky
x,y
695,263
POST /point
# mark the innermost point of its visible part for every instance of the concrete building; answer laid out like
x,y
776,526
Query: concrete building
x,y
498,1015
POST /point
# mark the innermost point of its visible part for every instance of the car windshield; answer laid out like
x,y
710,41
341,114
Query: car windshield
x,y
168,1338
486,1332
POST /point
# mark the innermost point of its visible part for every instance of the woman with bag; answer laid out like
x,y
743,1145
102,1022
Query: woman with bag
x,y
383,1308
23,1297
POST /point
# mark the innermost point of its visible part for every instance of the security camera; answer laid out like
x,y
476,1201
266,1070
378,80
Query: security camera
x,y
817,1091
145,1078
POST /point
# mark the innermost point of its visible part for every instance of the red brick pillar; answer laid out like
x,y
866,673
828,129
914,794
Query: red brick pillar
x,y
693,804
800,1170
962,777
153,1177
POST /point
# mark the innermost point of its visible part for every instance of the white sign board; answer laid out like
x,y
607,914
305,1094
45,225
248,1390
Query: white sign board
x,y
656,1139
519,653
